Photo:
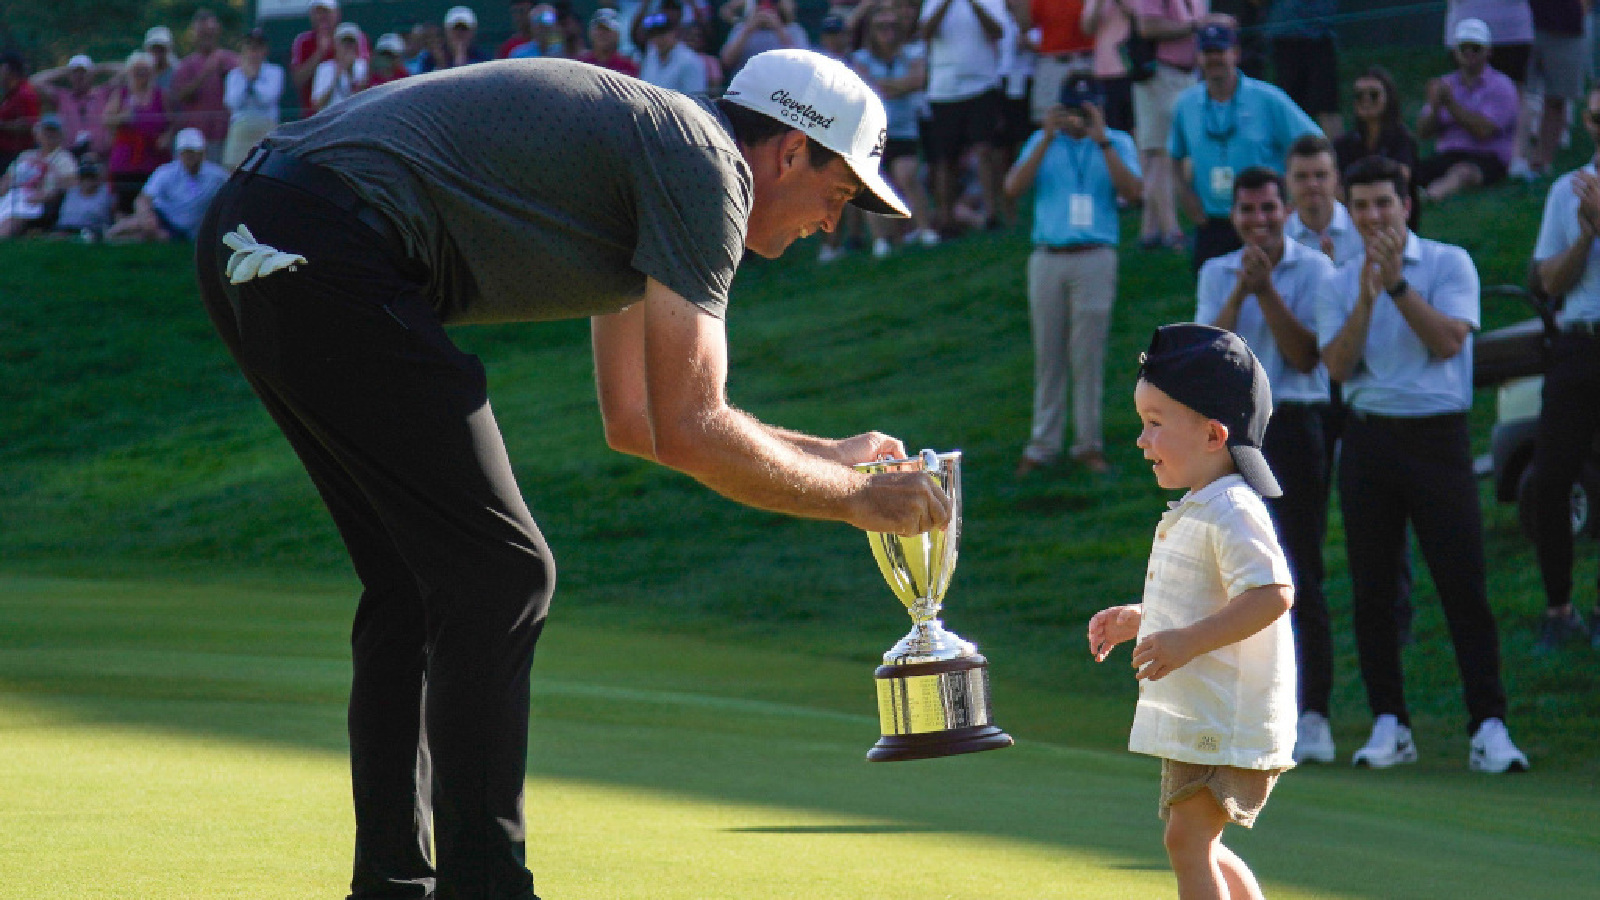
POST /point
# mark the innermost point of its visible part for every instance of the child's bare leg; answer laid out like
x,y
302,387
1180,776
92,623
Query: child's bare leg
x,y
1194,847
1241,881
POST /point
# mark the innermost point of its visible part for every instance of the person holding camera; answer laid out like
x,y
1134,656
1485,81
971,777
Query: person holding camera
x,y
767,25
1080,168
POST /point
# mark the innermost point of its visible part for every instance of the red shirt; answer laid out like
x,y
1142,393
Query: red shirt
x,y
376,78
617,63
1060,26
22,105
205,110
305,47
511,43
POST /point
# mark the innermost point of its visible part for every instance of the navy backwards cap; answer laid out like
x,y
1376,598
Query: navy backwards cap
x,y
1080,89
1215,36
1213,372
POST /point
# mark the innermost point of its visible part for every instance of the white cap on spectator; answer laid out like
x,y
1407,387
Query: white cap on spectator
x,y
607,17
461,15
189,139
1473,31
81,61
347,30
325,4
161,35
391,43
828,101
139,58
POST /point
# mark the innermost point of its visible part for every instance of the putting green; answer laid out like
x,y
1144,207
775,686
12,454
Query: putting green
x,y
187,741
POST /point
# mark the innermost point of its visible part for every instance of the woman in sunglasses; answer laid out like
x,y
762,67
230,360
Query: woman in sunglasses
x,y
1379,130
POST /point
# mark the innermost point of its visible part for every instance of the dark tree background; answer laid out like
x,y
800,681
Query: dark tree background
x,y
47,32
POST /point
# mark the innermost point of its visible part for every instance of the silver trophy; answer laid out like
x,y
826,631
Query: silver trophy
x,y
933,688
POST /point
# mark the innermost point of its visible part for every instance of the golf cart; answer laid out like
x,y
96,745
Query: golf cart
x,y
1512,360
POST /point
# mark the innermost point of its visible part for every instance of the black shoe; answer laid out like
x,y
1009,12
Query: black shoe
x,y
1557,630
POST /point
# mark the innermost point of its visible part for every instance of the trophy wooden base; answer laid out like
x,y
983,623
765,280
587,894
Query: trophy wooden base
x,y
934,709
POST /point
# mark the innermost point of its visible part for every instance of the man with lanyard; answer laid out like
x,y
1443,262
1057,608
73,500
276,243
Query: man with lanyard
x,y
331,263
1221,126
1396,329
1568,261
1266,293
1081,169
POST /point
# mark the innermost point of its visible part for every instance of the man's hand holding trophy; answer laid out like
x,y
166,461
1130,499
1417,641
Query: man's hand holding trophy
x,y
933,688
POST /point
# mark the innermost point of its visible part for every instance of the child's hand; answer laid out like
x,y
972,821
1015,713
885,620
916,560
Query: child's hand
x,y
1112,626
1159,654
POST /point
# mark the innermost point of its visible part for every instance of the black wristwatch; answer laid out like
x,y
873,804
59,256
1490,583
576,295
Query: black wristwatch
x,y
1102,144
1398,289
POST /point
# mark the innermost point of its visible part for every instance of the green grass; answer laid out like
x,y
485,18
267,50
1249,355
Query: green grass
x,y
187,741
174,603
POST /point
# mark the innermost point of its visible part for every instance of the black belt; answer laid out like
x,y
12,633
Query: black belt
x,y
1070,248
1423,421
314,179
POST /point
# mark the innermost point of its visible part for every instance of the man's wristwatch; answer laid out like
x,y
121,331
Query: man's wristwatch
x,y
1400,287
1102,144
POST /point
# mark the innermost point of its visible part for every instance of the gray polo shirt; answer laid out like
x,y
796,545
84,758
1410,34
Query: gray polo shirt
x,y
543,188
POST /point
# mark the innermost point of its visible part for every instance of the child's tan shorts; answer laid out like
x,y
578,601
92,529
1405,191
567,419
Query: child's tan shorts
x,y
1241,792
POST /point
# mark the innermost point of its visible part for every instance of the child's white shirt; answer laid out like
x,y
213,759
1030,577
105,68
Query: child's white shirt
x,y
1234,706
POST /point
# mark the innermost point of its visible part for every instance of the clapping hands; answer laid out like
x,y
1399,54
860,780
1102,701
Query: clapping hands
x,y
1587,187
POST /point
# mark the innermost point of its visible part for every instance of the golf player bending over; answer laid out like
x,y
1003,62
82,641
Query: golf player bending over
x,y
508,191
1215,652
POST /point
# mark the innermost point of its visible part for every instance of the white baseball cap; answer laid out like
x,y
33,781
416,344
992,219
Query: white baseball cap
x,y
827,101
1473,31
347,30
391,43
325,4
189,139
81,61
461,15
160,34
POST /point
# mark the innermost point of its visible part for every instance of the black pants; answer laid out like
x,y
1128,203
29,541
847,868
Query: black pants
x,y
393,424
1213,238
1394,470
1297,452
1568,420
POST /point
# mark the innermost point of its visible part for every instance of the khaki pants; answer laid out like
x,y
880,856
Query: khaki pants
x,y
1069,300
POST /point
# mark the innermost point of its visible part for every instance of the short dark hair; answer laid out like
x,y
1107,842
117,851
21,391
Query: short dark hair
x,y
1376,169
1311,145
751,128
1257,177
13,61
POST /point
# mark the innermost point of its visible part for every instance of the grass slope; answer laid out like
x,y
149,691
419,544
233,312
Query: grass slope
x,y
187,741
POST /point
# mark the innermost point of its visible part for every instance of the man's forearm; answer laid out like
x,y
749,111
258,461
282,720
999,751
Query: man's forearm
x,y
1559,273
1295,341
1442,335
1344,352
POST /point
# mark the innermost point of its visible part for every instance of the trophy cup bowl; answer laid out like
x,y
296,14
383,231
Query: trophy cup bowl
x,y
933,687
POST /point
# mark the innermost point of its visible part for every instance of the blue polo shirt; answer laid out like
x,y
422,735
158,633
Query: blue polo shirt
x,y
1297,277
1076,167
1254,128
1396,375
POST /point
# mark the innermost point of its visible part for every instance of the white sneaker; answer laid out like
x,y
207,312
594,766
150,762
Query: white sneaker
x,y
1313,741
927,237
1492,750
1520,170
828,254
1389,745
882,248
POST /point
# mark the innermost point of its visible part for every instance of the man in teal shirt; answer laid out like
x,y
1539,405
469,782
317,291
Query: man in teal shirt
x,y
1080,168
1221,126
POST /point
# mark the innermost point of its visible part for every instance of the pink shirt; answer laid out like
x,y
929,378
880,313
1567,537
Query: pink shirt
x,y
1182,52
1114,29
80,113
204,110
1494,97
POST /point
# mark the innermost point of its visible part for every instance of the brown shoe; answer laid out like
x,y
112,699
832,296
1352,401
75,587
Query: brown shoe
x,y
1027,465
1093,460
